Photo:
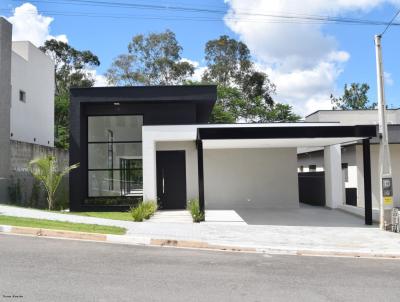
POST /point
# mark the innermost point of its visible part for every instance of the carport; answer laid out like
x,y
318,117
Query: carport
x,y
220,148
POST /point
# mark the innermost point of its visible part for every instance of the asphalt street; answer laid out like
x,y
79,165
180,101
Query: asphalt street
x,y
42,269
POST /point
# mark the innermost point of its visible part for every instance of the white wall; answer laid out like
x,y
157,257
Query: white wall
x,y
151,136
353,117
192,185
375,181
256,178
266,167
33,72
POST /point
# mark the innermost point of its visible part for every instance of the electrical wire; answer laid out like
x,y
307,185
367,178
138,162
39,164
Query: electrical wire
x,y
247,16
391,22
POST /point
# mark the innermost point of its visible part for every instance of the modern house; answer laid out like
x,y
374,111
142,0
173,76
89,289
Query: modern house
x,y
311,161
26,104
156,143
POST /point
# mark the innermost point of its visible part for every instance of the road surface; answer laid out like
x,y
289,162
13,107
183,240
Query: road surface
x,y
43,269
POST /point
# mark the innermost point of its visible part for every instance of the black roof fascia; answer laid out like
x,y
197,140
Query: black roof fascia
x,y
203,96
146,93
286,132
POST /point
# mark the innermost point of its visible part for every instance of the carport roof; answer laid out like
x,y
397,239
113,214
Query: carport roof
x,y
282,135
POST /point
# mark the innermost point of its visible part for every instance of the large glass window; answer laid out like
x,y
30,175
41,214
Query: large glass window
x,y
115,156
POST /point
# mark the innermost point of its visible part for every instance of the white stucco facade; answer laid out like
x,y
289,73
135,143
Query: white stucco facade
x,y
352,155
32,74
353,117
251,178
246,173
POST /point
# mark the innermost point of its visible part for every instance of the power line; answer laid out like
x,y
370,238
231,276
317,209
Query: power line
x,y
391,22
249,17
184,18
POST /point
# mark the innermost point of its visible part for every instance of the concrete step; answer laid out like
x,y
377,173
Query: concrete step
x,y
171,216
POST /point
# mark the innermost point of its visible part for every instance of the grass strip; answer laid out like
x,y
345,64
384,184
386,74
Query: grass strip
x,y
60,225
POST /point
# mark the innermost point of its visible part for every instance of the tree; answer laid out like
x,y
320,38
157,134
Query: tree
x,y
45,170
154,59
280,113
244,93
229,64
353,98
227,61
72,69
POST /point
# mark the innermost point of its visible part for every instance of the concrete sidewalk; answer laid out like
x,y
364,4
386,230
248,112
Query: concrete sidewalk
x,y
357,241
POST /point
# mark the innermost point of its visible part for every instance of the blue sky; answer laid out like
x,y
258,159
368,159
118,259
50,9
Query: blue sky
x,y
307,62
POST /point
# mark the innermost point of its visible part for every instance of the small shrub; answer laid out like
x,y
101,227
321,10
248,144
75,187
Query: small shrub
x,y
143,210
193,207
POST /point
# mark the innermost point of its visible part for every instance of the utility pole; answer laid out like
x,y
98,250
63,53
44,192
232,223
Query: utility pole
x,y
385,169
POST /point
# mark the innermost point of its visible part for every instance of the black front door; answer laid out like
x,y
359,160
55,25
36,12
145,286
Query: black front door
x,y
171,179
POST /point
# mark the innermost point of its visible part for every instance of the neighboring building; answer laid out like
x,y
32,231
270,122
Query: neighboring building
x,y
156,143
352,160
27,83
32,95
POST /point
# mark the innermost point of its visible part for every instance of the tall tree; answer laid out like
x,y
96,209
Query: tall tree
x,y
354,97
154,59
244,94
72,69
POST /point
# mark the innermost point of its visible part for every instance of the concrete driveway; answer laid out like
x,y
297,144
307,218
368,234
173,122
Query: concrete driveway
x,y
305,215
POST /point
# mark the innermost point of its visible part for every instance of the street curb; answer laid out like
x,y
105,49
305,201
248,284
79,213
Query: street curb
x,y
52,233
147,241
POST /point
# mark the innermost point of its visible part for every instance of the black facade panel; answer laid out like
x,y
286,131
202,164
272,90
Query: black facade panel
x,y
161,105
312,188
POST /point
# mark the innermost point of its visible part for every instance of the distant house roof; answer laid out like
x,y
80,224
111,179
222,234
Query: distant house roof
x,y
353,110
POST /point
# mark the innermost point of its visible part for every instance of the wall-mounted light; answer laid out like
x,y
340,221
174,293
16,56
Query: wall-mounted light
x,y
116,104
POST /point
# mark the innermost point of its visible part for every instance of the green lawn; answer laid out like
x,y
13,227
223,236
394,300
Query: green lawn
x,y
108,215
60,225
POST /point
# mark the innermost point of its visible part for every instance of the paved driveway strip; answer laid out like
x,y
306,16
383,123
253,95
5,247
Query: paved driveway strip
x,y
270,238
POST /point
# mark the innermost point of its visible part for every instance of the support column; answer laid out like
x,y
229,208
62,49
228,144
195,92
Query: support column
x,y
367,182
149,169
200,174
333,176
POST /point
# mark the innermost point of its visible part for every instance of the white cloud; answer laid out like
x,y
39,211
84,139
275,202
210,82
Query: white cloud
x,y
198,70
30,25
99,79
302,60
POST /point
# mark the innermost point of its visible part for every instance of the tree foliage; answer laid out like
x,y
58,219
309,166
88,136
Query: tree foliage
x,y
154,59
229,64
46,171
231,107
72,69
353,98
244,93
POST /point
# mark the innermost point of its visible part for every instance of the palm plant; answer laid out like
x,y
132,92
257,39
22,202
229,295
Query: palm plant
x,y
45,170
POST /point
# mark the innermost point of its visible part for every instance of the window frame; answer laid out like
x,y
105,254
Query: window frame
x,y
88,170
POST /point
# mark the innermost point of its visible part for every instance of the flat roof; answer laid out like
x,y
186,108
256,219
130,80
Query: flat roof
x,y
273,135
285,132
331,110
206,93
